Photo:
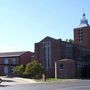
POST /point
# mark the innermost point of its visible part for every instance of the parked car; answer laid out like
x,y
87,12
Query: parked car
x,y
0,80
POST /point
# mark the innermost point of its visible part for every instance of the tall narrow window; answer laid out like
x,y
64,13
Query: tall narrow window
x,y
69,51
47,54
13,60
5,70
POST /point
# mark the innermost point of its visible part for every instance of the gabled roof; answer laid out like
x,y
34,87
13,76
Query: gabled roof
x,y
49,38
12,54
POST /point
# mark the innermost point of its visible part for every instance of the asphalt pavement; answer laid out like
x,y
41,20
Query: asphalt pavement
x,y
16,80
62,85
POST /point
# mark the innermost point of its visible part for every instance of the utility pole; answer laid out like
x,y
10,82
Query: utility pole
x,y
55,69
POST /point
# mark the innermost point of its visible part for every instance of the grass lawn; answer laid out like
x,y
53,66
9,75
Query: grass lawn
x,y
49,80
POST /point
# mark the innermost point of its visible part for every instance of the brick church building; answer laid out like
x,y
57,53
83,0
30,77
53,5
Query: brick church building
x,y
70,57
59,58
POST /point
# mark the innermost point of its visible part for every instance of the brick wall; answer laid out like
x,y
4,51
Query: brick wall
x,y
68,70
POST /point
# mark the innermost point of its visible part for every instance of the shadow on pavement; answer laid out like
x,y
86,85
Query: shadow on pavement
x,y
4,85
8,81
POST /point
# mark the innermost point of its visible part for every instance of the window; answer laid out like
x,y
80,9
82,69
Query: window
x,y
81,35
13,60
47,55
5,70
5,60
81,32
61,66
69,52
81,39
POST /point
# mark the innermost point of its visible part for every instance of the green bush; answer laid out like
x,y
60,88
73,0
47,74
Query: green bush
x,y
34,70
19,70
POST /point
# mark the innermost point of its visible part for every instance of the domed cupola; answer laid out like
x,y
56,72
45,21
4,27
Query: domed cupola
x,y
84,21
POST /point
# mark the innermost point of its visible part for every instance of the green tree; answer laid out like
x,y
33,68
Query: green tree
x,y
19,70
69,40
66,40
34,69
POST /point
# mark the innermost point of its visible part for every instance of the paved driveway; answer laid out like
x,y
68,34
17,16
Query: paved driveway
x,y
65,85
16,80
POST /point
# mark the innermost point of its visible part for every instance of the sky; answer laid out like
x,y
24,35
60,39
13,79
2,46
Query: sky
x,y
25,22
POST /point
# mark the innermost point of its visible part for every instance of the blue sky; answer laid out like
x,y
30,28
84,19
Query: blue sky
x,y
24,22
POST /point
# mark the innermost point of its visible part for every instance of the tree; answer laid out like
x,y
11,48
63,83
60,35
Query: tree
x,y
66,40
69,40
34,69
19,70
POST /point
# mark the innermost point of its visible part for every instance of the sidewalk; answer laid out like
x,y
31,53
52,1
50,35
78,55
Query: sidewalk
x,y
16,80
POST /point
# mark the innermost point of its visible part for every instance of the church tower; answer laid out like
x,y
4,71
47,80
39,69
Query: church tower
x,y
82,33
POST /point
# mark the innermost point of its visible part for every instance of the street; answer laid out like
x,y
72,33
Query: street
x,y
61,85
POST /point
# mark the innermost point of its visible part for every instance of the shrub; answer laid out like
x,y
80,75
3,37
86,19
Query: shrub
x,y
34,69
19,70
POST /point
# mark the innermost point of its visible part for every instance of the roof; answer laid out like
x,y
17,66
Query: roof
x,y
66,59
49,38
73,44
83,25
12,54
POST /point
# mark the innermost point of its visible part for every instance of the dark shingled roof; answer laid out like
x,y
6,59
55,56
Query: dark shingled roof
x,y
12,54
